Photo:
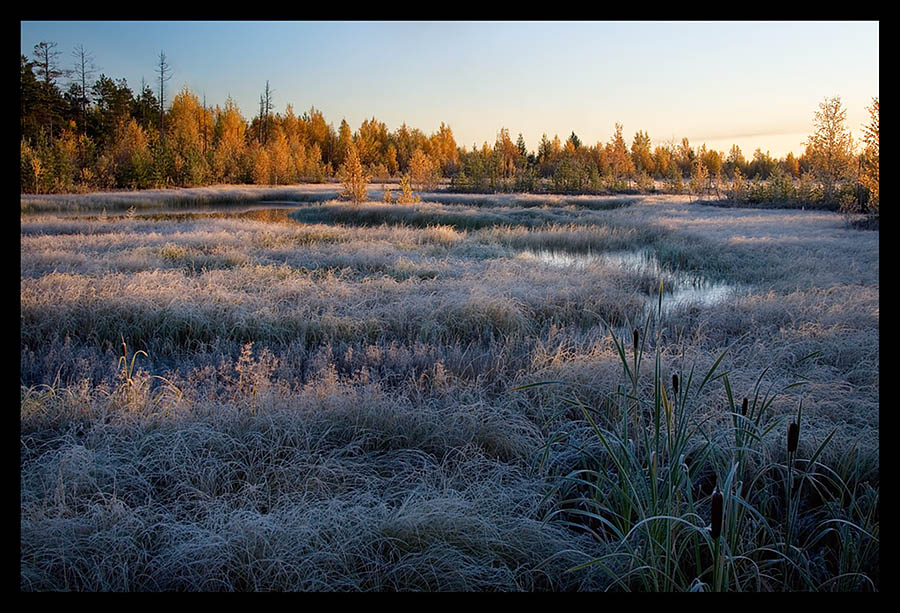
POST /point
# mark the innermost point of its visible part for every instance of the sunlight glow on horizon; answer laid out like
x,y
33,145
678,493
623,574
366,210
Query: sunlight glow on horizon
x,y
754,84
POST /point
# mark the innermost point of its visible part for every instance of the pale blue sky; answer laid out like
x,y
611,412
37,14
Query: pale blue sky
x,y
756,84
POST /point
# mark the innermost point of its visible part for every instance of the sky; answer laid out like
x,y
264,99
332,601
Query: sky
x,y
754,84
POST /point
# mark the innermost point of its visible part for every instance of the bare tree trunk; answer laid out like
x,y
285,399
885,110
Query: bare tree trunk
x,y
84,72
164,75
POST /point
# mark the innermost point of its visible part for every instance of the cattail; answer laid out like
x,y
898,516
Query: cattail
x,y
793,437
675,383
636,337
744,407
716,513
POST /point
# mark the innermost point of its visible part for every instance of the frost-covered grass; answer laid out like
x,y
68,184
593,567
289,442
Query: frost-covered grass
x,y
341,399
122,200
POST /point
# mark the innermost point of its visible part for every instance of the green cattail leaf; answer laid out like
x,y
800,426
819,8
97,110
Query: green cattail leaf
x,y
822,447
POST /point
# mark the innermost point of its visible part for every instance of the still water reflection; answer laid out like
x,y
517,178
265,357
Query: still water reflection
x,y
681,288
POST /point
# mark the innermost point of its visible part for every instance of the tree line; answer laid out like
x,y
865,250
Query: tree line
x,y
82,130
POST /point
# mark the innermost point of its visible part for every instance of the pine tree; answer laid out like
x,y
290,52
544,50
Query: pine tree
x,y
573,138
47,70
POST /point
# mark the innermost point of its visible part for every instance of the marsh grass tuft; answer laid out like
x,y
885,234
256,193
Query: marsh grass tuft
x,y
641,498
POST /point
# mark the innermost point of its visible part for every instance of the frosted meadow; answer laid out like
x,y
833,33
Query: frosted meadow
x,y
449,395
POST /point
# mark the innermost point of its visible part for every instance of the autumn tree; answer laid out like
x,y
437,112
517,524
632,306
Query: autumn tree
x,y
699,177
403,143
507,154
186,119
294,130
869,174
354,178
444,150
641,156
619,161
345,141
30,168
830,146
390,160
714,162
315,169
260,166
662,160
735,161
322,135
371,142
423,171
130,155
229,145
406,195
66,159
283,169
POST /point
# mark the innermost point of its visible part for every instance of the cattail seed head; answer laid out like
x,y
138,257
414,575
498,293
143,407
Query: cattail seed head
x,y
636,338
675,382
716,513
793,437
744,407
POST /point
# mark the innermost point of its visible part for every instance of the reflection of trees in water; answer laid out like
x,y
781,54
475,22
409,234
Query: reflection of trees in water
x,y
267,215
